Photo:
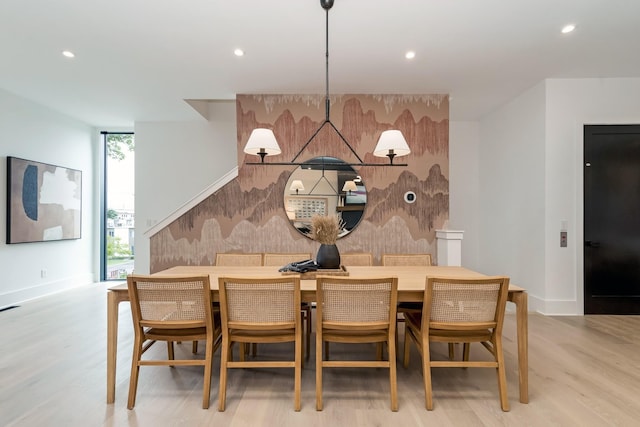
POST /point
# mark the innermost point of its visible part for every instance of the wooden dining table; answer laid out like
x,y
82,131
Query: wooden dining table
x,y
411,284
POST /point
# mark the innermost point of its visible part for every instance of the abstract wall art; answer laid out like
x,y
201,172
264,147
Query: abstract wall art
x,y
44,202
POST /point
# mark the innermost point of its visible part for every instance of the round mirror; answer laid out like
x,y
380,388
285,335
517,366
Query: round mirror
x,y
324,186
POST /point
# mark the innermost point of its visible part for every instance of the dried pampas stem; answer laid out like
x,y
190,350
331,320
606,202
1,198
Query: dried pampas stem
x,y
325,229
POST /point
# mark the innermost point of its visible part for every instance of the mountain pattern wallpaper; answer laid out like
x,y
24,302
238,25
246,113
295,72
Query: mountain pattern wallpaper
x,y
248,214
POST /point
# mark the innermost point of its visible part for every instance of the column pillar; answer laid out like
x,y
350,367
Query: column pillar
x,y
449,247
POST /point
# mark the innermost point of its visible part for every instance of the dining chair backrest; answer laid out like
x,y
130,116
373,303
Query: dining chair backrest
x,y
250,303
406,260
170,302
343,302
465,304
284,258
356,259
239,259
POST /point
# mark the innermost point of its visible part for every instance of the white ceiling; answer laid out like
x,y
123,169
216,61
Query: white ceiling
x,y
138,60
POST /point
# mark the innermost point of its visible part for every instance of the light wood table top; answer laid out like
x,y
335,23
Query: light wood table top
x,y
410,279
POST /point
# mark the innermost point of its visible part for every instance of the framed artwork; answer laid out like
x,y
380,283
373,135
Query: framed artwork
x,y
306,207
44,202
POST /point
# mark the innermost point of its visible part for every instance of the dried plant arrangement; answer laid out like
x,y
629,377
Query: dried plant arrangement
x,y
325,229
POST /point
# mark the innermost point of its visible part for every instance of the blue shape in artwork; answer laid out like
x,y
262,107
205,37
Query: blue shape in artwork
x,y
30,192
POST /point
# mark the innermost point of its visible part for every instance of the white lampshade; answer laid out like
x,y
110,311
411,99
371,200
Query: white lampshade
x,y
391,144
296,185
349,186
262,142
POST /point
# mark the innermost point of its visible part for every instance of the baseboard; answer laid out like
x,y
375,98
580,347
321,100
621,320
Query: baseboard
x,y
25,294
555,307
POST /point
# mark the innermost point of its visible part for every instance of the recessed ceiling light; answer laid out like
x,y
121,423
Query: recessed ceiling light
x,y
410,55
238,52
568,28
68,54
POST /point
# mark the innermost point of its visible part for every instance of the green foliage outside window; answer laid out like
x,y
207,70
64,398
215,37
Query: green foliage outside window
x,y
116,249
117,143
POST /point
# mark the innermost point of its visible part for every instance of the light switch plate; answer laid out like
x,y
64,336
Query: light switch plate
x,y
563,239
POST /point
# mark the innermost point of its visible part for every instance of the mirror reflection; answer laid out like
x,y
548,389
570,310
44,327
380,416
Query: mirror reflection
x,y
324,186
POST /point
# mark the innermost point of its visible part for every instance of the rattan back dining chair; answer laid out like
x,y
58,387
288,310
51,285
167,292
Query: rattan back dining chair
x,y
460,310
410,260
350,310
356,259
283,258
279,259
260,310
405,260
239,259
172,309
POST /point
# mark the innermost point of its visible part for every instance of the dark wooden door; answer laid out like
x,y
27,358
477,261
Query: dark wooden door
x,y
612,219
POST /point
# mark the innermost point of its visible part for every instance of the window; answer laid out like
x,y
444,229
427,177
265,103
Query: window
x,y
118,202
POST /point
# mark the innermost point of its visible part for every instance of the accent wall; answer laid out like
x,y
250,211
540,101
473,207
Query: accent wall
x,y
248,214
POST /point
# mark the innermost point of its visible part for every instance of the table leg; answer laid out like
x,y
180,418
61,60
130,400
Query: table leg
x,y
522,312
112,344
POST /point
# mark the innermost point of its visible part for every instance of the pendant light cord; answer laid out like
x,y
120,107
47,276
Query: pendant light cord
x,y
327,104
327,5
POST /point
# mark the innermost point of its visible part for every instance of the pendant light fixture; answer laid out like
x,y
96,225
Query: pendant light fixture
x,y
262,142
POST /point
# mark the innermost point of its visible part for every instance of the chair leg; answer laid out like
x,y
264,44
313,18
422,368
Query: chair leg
x,y
319,361
393,380
224,357
170,353
407,345
426,374
194,347
208,366
242,351
135,370
298,370
452,351
398,321
308,324
502,377
466,347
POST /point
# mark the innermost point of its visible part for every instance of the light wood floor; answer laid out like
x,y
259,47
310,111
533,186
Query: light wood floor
x,y
584,371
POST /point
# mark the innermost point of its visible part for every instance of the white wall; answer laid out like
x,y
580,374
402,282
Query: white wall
x,y
530,169
33,132
570,105
175,161
514,177
463,188
512,192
